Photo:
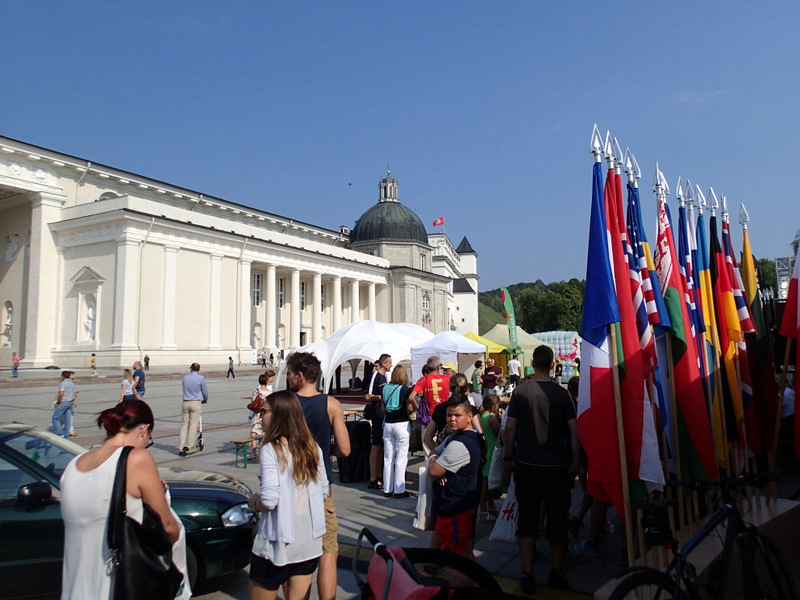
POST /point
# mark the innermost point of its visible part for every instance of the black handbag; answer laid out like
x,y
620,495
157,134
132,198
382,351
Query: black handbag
x,y
141,553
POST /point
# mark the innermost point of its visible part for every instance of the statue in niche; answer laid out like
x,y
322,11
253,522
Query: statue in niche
x,y
89,323
254,342
8,326
12,248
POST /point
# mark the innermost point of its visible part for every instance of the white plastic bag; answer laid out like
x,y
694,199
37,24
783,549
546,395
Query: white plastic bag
x,y
422,516
505,528
499,475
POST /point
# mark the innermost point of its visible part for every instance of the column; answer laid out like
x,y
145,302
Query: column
x,y
337,303
316,308
270,325
355,302
170,298
126,295
294,322
371,302
245,324
39,317
215,302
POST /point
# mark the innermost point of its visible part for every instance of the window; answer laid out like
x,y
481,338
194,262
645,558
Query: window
x,y
426,301
422,263
280,292
302,295
256,289
322,298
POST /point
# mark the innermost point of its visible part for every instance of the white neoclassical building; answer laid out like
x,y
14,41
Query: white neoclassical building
x,y
99,260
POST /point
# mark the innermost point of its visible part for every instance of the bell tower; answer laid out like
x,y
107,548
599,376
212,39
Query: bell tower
x,y
388,188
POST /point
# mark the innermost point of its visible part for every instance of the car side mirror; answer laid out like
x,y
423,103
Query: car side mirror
x,y
34,493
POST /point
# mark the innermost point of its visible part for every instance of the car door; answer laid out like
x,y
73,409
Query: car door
x,y
31,536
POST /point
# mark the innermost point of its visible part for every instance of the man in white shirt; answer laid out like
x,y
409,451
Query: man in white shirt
x,y
514,369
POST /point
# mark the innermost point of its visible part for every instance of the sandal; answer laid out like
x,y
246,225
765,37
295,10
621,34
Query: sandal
x,y
375,485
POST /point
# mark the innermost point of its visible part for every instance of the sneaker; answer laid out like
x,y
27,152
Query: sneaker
x,y
556,580
527,583
183,451
73,434
587,548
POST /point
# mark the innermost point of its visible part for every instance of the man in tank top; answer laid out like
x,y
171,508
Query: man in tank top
x,y
324,415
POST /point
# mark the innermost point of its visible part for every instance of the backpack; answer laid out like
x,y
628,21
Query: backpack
x,y
391,396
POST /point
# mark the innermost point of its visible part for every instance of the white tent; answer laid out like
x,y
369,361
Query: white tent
x,y
364,340
449,346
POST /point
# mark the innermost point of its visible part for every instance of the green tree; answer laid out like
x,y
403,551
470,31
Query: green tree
x,y
558,306
766,274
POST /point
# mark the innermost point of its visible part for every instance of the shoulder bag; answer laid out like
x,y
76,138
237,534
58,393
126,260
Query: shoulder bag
x,y
141,553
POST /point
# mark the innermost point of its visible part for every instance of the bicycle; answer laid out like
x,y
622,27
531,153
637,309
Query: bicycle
x,y
765,574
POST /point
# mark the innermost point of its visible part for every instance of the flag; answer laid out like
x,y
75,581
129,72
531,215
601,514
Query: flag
x,y
511,320
729,332
439,221
692,429
759,350
596,412
753,438
790,328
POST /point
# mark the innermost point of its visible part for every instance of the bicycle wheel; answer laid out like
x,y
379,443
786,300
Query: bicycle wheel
x,y
770,577
646,584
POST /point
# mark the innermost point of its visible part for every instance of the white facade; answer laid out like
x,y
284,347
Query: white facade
x,y
100,260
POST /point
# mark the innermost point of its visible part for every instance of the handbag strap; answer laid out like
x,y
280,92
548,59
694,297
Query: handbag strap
x,y
117,509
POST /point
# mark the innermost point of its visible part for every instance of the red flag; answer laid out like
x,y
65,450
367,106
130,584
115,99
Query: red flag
x,y
790,327
439,221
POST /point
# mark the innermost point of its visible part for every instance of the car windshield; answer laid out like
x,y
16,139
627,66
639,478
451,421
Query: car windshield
x,y
47,449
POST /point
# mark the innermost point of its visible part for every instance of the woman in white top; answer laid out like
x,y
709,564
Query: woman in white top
x,y
128,391
293,488
86,487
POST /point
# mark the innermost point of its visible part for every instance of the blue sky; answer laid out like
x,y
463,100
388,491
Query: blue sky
x,y
483,110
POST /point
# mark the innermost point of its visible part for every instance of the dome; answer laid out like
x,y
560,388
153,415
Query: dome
x,y
389,221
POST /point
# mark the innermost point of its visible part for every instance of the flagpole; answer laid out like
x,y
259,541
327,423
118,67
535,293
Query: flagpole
x,y
623,459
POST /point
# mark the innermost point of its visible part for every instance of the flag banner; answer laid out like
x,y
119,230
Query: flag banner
x,y
790,328
759,349
692,429
511,320
729,332
596,413
439,221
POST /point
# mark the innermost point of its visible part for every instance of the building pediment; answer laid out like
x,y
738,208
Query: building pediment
x,y
86,277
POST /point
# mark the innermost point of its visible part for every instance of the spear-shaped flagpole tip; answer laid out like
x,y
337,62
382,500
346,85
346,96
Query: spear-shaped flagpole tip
x,y
664,184
630,167
618,152
636,166
701,200
596,145
713,203
725,208
744,218
679,192
608,148
657,180
689,195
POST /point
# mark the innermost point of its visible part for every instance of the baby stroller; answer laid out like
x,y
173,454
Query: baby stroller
x,y
392,575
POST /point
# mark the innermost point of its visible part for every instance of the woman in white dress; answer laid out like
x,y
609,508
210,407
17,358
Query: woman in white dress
x,y
127,391
86,487
293,488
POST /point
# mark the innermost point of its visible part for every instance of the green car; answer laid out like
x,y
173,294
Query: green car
x,y
213,508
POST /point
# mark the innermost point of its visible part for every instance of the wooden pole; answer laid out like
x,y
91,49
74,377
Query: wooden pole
x,y
623,461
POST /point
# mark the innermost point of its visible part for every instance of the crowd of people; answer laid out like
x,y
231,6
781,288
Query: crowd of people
x,y
463,419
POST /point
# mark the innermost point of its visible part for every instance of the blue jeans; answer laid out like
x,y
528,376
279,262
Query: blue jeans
x,y
14,368
64,409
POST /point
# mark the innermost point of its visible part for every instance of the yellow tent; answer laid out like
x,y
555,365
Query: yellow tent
x,y
498,352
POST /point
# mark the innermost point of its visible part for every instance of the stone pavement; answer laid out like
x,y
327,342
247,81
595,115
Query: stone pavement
x,y
29,400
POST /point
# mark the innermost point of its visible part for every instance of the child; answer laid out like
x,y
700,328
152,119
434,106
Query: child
x,y
500,388
454,467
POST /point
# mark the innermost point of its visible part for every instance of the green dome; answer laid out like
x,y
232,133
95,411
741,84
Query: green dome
x,y
389,221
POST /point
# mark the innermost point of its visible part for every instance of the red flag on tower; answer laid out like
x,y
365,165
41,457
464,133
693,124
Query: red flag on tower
x,y
439,221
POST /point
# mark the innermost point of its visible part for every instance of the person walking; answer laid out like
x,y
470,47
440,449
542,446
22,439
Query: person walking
x,y
195,394
127,391
398,403
94,364
294,486
138,379
86,489
14,364
382,366
230,372
67,394
324,416
146,362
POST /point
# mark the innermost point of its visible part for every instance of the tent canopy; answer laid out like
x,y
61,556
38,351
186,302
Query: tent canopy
x,y
449,346
365,340
526,342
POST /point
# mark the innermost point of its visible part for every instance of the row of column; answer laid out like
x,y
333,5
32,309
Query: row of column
x,y
295,316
